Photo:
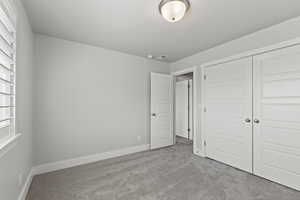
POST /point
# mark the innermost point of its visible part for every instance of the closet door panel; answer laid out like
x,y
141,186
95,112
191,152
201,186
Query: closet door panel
x,y
228,102
277,107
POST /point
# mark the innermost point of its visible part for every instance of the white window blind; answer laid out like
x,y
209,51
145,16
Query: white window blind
x,y
7,74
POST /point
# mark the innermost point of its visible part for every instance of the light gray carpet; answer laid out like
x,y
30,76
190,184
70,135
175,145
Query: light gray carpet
x,y
173,173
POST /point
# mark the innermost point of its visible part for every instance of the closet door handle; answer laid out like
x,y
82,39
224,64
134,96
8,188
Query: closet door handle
x,y
256,121
247,120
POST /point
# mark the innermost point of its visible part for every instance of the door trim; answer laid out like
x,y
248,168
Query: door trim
x,y
195,84
254,52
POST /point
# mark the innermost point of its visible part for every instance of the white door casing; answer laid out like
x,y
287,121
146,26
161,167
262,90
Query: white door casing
x,y
161,110
191,110
228,109
181,108
277,107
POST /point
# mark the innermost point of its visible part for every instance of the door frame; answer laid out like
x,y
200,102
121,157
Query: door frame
x,y
194,110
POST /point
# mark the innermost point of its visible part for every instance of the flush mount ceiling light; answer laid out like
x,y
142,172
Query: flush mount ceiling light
x,y
174,10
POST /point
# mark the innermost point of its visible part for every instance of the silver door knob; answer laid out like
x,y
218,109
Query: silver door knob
x,y
153,114
247,120
256,121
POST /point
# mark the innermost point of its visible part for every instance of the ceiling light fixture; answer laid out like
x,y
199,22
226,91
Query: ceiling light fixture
x,y
174,10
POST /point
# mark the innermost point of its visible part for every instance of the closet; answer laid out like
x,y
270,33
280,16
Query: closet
x,y
252,114
228,106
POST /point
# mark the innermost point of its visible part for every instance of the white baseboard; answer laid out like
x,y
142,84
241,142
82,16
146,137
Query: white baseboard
x,y
26,186
49,167
198,152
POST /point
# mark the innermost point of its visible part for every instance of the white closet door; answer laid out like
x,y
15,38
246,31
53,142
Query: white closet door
x,y
182,112
228,103
277,107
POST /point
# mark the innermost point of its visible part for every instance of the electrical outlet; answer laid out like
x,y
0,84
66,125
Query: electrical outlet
x,y
20,179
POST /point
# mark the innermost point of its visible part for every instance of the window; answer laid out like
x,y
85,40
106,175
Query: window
x,y
7,73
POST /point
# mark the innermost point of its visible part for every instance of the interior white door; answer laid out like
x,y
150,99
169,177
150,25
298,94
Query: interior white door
x,y
228,113
277,116
161,110
182,106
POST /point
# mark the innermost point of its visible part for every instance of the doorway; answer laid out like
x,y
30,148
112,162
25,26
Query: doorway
x,y
183,106
163,110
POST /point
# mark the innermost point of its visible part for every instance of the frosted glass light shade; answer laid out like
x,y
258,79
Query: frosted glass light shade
x,y
173,10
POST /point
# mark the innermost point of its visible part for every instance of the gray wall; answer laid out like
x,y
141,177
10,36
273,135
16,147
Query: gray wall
x,y
19,159
88,100
281,32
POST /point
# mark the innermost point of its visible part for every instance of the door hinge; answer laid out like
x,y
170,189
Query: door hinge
x,y
189,129
205,143
205,110
205,77
189,86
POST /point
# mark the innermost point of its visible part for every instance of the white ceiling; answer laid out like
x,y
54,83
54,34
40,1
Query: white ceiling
x,y
136,27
